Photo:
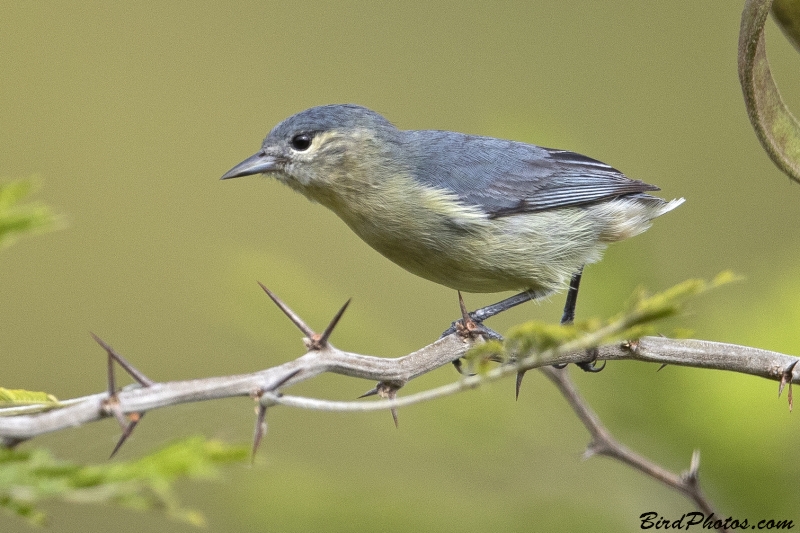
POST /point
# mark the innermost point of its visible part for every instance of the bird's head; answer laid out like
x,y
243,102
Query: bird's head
x,y
324,147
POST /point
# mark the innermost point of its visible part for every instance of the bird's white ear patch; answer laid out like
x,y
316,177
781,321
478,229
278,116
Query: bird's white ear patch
x,y
317,140
333,141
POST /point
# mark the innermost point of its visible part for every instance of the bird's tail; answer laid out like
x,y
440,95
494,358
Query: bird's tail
x,y
630,215
655,206
666,207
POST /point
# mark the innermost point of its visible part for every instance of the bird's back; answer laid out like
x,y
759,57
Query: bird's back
x,y
508,177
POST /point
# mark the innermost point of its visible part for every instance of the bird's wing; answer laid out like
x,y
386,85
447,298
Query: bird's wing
x,y
507,177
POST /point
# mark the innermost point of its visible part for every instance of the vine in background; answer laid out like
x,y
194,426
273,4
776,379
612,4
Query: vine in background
x,y
775,126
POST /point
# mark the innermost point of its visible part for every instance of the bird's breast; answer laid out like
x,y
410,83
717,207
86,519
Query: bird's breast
x,y
432,234
402,212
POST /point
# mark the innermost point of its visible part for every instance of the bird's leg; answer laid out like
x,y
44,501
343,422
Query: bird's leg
x,y
479,315
569,317
572,298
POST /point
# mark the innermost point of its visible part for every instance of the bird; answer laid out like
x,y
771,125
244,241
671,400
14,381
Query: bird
x,y
473,213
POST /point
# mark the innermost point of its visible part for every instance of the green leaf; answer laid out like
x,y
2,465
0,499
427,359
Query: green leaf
x,y
17,397
37,401
17,218
532,339
28,478
478,357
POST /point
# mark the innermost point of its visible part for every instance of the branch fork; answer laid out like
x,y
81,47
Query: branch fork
x,y
129,404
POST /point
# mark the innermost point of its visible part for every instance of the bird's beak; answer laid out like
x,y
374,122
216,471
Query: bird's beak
x,y
256,164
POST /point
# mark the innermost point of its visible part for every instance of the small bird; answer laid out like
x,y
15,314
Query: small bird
x,y
473,213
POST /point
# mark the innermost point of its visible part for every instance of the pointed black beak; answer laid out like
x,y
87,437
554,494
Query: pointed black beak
x,y
257,164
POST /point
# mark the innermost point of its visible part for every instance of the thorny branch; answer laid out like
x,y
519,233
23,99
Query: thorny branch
x,y
398,371
129,404
603,443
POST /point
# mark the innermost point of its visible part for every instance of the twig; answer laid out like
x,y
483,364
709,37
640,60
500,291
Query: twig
x,y
603,443
685,352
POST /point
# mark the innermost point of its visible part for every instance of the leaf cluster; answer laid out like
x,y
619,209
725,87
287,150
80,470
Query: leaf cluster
x,y
30,477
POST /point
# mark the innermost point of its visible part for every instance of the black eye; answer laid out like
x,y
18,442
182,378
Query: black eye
x,y
301,142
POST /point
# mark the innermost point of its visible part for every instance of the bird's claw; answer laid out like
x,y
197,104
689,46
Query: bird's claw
x,y
586,366
460,368
591,366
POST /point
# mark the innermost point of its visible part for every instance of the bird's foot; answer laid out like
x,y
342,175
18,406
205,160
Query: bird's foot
x,y
469,327
586,366
590,365
475,319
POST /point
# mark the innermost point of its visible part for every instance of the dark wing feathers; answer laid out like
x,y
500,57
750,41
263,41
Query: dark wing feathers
x,y
507,177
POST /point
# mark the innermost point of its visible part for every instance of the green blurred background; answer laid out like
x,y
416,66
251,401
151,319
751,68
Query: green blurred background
x,y
129,113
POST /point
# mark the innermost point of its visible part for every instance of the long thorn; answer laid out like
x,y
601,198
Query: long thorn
x,y
112,385
467,326
143,380
392,394
464,313
371,392
259,431
520,375
261,417
112,405
296,320
389,391
323,339
126,432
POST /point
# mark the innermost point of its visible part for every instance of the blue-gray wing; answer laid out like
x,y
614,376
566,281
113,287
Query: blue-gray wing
x,y
507,177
